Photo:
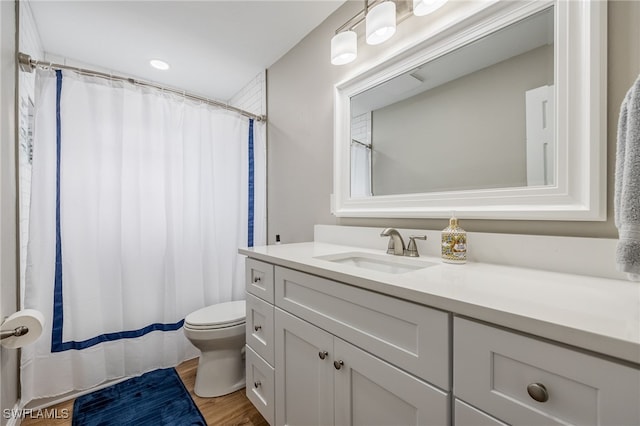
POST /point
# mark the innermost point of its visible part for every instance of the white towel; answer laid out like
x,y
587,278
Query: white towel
x,y
627,184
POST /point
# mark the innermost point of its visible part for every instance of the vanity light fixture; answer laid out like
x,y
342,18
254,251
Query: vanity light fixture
x,y
159,64
344,47
425,7
381,23
380,17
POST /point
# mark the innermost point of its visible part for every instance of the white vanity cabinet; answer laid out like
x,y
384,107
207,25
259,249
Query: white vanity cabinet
x,y
412,337
323,380
523,381
322,352
349,356
260,339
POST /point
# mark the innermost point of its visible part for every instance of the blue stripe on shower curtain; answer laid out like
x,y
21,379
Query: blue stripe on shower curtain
x,y
251,187
57,345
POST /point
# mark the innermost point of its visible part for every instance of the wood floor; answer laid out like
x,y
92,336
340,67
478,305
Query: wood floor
x,y
232,409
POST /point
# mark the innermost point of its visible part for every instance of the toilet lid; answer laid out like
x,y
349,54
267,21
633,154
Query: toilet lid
x,y
220,315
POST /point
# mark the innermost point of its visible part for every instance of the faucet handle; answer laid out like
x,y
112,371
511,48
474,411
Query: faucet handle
x,y
412,248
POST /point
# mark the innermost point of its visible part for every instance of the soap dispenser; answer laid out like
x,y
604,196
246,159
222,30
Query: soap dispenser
x,y
454,243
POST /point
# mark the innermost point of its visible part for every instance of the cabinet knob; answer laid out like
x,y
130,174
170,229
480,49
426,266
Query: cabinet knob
x,y
257,384
257,279
323,354
257,327
338,364
538,392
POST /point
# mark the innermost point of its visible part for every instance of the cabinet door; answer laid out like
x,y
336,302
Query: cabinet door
x,y
369,391
304,372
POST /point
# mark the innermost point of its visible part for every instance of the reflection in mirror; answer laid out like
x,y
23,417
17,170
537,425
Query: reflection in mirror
x,y
479,117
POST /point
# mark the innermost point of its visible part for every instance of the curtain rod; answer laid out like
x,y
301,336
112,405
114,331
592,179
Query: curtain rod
x,y
361,143
27,64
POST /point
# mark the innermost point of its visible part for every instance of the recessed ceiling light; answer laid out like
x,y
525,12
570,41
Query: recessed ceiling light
x,y
158,64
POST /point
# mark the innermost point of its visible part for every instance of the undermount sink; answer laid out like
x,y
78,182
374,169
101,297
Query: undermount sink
x,y
378,262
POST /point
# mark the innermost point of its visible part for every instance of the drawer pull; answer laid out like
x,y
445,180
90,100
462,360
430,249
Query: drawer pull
x,y
257,327
323,354
257,384
538,392
257,279
338,364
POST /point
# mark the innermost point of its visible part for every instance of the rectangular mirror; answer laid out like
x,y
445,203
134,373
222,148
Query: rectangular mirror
x,y
497,117
435,127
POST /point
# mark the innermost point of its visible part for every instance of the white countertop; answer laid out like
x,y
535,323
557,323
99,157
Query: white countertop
x,y
597,314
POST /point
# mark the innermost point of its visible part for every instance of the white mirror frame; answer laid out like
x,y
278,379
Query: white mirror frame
x,y
580,60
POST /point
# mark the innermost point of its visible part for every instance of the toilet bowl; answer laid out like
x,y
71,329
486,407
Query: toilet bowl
x,y
219,332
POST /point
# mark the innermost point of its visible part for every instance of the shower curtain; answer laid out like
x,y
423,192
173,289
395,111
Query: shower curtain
x,y
140,200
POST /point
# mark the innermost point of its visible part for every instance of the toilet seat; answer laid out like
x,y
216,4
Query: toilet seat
x,y
221,315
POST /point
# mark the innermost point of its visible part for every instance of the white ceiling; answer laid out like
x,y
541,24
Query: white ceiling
x,y
214,47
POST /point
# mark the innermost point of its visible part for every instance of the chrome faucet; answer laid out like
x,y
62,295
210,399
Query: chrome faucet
x,y
396,243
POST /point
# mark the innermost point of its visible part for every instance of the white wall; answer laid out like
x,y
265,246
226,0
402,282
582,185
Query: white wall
x,y
252,97
300,105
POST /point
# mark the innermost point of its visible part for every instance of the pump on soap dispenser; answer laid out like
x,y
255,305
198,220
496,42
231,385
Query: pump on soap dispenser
x,y
454,243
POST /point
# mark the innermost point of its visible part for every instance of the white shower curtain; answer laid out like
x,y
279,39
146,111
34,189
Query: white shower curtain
x,y
140,200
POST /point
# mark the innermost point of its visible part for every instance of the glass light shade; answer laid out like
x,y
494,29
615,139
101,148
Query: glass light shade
x,y
344,47
424,7
381,22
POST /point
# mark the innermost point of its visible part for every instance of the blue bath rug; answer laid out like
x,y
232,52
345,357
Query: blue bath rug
x,y
154,399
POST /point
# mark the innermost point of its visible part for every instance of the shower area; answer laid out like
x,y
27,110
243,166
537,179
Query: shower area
x,y
134,199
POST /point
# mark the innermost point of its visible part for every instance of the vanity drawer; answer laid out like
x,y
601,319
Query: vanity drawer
x,y
260,385
410,336
259,330
496,371
259,276
466,415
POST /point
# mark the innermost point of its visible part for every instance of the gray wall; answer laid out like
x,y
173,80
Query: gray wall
x,y
300,135
8,201
420,146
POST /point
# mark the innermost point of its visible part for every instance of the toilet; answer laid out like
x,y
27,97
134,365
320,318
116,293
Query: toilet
x,y
219,332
